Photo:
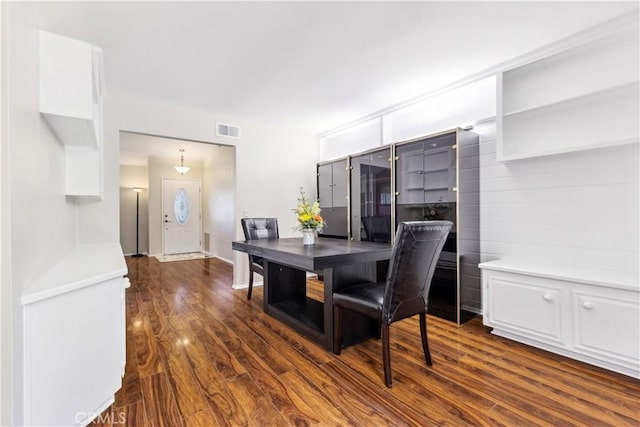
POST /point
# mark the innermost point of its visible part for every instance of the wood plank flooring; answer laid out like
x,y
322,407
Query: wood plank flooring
x,y
200,354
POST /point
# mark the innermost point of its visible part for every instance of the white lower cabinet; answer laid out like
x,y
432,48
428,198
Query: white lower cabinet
x,y
74,349
595,322
606,324
527,308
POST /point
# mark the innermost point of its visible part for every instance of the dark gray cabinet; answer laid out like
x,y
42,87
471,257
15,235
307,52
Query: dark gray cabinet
x,y
371,196
437,178
430,178
333,197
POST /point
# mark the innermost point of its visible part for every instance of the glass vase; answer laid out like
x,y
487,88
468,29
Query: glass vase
x,y
308,236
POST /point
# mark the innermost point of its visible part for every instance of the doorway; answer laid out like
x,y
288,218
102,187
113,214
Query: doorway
x,y
181,216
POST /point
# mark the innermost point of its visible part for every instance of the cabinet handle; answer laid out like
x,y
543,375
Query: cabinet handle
x,y
587,305
547,297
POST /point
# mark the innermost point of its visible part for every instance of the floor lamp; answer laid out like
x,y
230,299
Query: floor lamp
x,y
138,190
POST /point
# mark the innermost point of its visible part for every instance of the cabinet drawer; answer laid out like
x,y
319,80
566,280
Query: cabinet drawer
x,y
525,308
607,324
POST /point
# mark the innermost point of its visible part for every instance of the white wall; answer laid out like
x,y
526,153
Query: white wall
x,y
461,106
130,177
271,163
43,220
577,209
218,201
5,239
159,169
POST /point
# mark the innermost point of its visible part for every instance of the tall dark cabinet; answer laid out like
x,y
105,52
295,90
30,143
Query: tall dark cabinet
x,y
333,197
371,195
429,178
436,178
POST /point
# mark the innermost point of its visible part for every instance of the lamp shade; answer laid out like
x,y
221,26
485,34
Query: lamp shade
x,y
182,169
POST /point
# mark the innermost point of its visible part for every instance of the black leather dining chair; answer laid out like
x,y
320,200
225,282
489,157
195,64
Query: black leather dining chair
x,y
255,229
406,291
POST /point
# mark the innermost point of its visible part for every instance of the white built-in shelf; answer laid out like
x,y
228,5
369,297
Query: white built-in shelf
x,y
71,94
581,98
85,266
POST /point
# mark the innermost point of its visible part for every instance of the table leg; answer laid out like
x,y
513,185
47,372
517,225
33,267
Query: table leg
x,y
355,327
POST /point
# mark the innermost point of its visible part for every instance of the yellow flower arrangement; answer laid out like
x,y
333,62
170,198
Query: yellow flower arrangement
x,y
308,214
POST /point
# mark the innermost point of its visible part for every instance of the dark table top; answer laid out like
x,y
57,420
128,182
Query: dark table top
x,y
326,252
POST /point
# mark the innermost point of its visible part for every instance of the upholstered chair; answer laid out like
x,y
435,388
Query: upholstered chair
x,y
406,291
254,229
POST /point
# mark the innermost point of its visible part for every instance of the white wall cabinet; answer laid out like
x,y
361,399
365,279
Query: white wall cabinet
x,y
74,342
593,318
583,97
71,92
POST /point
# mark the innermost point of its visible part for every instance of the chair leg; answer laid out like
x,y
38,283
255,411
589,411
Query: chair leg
x,y
337,330
386,360
250,284
425,340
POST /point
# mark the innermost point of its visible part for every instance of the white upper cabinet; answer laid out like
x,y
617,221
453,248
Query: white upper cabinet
x,y
71,91
580,98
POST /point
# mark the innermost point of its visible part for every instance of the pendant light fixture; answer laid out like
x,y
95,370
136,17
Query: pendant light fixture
x,y
182,169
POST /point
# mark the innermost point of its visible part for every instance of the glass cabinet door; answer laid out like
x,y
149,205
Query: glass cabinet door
x,y
425,184
325,186
371,196
332,195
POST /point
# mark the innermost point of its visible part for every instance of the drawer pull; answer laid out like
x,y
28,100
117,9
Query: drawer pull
x,y
587,305
547,297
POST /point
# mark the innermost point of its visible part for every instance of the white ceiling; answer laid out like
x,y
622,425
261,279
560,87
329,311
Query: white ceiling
x,y
316,65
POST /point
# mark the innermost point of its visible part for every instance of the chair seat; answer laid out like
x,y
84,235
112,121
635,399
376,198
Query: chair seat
x,y
365,298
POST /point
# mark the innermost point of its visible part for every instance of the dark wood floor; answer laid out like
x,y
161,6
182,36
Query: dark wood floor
x,y
199,353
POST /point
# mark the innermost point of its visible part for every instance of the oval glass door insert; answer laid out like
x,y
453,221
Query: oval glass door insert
x,y
181,206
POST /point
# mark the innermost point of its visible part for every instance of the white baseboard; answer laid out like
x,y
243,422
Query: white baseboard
x,y
222,259
474,310
246,285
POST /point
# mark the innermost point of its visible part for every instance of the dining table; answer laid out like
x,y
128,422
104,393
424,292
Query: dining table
x,y
337,262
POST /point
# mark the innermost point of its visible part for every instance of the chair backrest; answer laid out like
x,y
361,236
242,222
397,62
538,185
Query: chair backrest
x,y
413,261
260,228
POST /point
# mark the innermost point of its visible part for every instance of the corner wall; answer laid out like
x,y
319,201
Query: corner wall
x,y
218,201
43,220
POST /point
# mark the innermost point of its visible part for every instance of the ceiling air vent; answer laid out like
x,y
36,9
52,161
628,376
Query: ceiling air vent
x,y
231,131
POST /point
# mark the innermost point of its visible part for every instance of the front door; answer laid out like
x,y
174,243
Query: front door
x,y
181,219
